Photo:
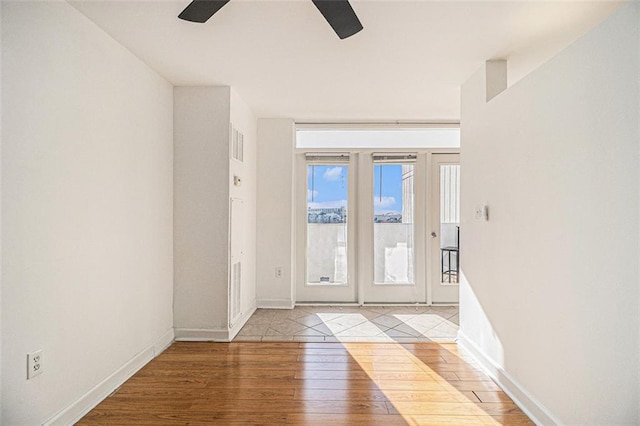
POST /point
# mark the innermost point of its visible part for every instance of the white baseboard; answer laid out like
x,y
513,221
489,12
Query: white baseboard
x,y
77,409
235,329
163,342
213,335
326,304
275,303
537,412
201,335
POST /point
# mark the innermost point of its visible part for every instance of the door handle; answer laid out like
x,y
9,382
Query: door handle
x,y
433,235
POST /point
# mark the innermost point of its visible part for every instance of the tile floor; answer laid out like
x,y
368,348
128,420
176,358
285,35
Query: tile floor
x,y
353,324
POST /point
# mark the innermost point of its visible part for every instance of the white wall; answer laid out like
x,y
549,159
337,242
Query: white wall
x,y
275,218
201,203
203,179
86,210
551,296
243,119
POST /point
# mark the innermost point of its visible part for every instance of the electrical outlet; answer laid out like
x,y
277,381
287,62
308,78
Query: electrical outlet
x,y
34,364
278,272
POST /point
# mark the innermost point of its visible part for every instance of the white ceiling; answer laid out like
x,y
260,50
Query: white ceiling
x,y
284,59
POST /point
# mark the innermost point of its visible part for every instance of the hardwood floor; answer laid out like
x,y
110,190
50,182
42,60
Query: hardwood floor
x,y
308,384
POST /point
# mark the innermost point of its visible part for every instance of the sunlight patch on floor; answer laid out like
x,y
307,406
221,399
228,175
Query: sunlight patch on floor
x,y
387,362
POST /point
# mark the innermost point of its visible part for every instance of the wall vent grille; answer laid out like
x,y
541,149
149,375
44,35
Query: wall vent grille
x,y
237,144
234,293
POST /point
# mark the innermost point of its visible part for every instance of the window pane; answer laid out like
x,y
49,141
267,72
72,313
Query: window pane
x,y
449,222
327,224
393,224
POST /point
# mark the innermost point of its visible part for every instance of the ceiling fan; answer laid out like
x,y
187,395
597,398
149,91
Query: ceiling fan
x,y
338,13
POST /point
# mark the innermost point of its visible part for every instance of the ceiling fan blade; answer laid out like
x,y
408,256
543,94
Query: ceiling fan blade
x,y
340,15
201,10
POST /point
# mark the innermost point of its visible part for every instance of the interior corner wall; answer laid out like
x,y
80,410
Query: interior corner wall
x,y
275,219
245,121
201,210
87,257
550,296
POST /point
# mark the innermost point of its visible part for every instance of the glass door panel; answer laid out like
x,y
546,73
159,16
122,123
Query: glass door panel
x,y
327,234
392,202
393,231
449,223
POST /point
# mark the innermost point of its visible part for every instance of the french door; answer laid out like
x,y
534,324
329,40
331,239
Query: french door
x,y
362,228
392,228
325,229
445,228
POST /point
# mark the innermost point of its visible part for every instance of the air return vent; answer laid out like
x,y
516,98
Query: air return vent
x,y
234,292
237,144
236,242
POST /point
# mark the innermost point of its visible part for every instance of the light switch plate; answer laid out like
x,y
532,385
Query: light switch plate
x,y
482,212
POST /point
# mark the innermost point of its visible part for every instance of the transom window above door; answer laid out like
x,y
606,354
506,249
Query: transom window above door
x,y
314,136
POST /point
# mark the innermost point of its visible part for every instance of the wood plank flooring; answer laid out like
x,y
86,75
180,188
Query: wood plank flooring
x,y
308,384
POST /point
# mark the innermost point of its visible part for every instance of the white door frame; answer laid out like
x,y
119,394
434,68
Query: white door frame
x,y
311,293
372,292
437,292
